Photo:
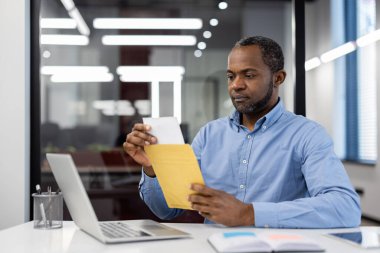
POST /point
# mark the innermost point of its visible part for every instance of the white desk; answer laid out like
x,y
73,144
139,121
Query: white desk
x,y
70,239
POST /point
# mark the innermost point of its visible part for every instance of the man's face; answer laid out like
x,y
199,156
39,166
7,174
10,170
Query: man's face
x,y
250,81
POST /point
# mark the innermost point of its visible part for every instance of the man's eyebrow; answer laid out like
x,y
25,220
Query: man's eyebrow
x,y
249,69
242,71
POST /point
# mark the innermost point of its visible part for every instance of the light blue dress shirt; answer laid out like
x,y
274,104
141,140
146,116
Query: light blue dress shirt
x,y
286,167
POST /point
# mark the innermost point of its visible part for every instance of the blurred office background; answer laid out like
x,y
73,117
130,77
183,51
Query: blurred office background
x,y
89,84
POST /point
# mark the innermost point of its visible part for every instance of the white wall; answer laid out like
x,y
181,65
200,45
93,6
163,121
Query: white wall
x,y
322,95
14,112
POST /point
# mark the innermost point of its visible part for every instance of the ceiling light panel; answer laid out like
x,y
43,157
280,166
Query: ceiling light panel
x,y
149,40
58,23
58,39
54,70
338,52
148,23
368,38
82,78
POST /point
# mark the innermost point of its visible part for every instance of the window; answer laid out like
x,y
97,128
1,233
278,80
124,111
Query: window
x,y
361,132
97,80
341,71
367,68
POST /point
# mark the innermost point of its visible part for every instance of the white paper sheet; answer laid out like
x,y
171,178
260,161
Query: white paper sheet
x,y
166,129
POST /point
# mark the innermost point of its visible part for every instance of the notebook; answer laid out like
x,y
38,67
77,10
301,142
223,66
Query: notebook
x,y
248,241
83,214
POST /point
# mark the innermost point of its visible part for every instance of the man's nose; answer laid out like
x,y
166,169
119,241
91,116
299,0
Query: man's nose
x,y
238,83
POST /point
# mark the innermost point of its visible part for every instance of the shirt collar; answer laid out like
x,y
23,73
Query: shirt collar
x,y
264,122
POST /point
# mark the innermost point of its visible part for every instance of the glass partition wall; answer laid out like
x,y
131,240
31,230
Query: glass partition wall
x,y
106,64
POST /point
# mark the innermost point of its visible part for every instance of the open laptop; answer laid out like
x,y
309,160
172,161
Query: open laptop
x,y
82,212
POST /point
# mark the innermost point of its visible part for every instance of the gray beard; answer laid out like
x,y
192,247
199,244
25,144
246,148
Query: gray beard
x,y
256,107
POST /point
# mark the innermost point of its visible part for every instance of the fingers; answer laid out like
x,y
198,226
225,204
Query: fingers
x,y
204,190
194,198
131,148
139,136
141,127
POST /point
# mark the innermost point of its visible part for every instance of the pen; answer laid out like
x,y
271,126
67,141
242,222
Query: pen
x,y
49,206
38,189
43,215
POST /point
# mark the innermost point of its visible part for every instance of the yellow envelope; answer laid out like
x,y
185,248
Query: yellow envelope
x,y
176,168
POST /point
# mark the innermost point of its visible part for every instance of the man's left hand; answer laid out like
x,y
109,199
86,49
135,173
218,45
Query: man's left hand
x,y
221,207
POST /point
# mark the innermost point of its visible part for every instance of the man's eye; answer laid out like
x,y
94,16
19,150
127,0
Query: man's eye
x,y
249,75
230,77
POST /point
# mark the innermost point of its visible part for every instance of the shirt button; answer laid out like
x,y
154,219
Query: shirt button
x,y
248,136
264,127
242,186
244,161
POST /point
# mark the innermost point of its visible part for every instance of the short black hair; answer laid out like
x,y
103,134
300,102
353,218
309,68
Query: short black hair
x,y
271,51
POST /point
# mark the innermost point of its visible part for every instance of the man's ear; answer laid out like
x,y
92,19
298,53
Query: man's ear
x,y
279,77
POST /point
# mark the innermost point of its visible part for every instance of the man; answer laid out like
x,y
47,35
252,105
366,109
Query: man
x,y
263,166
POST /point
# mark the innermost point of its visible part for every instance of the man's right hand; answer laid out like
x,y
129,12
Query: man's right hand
x,y
134,146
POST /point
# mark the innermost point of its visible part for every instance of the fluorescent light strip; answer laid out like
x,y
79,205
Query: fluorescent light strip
x,y
143,106
62,70
114,107
75,14
344,49
58,23
69,4
81,24
148,23
150,73
58,39
82,78
149,40
368,38
312,63
338,52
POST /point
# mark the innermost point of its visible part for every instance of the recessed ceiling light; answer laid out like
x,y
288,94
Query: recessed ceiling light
x,y
46,54
197,53
222,5
207,34
201,45
214,22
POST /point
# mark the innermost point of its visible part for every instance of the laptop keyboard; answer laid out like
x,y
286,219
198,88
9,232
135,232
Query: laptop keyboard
x,y
120,230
